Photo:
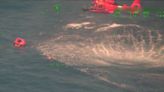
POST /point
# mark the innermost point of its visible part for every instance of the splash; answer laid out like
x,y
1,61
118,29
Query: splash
x,y
115,41
103,45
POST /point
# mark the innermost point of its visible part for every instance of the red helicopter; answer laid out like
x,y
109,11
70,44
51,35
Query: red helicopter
x,y
109,6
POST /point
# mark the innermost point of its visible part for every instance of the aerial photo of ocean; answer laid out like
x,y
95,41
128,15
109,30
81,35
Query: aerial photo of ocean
x,y
70,49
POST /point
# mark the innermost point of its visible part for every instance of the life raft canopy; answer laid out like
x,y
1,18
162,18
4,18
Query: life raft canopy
x,y
110,6
19,42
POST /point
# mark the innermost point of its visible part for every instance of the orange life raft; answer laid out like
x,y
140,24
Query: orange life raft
x,y
19,42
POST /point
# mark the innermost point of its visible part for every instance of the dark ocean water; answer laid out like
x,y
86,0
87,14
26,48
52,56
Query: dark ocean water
x,y
27,70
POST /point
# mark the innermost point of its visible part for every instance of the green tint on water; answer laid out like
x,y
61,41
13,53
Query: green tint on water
x,y
56,64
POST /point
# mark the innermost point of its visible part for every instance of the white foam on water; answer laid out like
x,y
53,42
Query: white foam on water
x,y
115,25
101,48
78,25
